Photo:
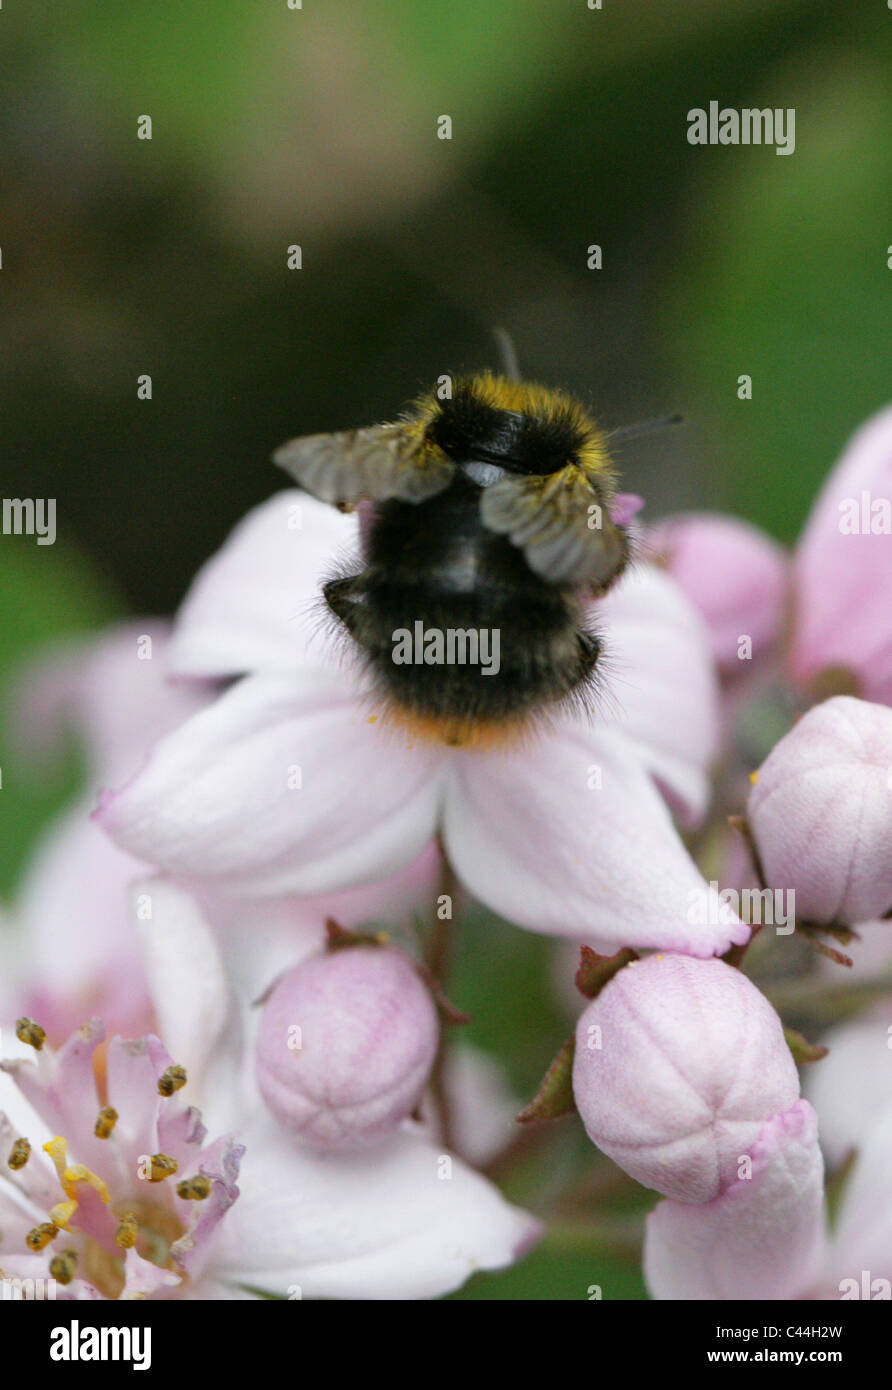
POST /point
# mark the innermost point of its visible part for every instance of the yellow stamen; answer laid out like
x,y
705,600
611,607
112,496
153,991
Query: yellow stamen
x,y
162,1167
194,1189
27,1031
127,1231
174,1079
64,1267
105,1122
39,1238
19,1154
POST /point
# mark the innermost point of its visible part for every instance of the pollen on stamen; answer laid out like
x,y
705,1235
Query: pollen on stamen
x,y
39,1237
105,1122
194,1189
19,1154
64,1267
27,1031
173,1079
161,1167
127,1232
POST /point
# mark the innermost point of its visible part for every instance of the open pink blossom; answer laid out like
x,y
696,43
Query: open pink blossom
x,y
291,782
679,1063
126,1197
409,1221
733,573
843,569
821,812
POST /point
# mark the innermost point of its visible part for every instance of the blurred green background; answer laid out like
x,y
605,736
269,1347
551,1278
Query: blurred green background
x,y
318,127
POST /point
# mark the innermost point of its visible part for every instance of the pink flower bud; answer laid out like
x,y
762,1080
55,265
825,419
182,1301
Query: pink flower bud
x,y
347,1040
733,573
679,1062
843,568
821,812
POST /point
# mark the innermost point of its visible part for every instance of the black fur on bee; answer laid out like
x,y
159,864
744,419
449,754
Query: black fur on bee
x,y
487,516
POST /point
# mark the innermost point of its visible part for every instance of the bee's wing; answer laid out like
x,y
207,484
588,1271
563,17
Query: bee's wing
x,y
561,523
370,464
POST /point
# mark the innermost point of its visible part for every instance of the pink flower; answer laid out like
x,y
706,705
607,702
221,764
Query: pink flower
x,y
821,811
291,783
346,1044
683,1076
76,953
679,1063
128,1201
843,569
410,1220
766,1237
74,957
734,574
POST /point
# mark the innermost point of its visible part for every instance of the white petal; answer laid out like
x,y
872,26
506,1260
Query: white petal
x,y
255,605
284,785
534,837
660,682
762,1239
406,1221
186,979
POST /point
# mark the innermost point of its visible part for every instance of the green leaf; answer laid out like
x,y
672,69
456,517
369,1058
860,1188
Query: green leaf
x,y
595,971
555,1096
802,1050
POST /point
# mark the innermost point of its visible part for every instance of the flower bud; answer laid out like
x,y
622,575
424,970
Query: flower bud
x,y
843,569
346,1043
733,573
821,812
679,1062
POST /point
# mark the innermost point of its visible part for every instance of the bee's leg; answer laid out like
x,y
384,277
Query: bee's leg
x,y
590,649
347,600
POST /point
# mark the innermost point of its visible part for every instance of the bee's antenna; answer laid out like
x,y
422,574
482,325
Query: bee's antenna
x,y
508,353
645,427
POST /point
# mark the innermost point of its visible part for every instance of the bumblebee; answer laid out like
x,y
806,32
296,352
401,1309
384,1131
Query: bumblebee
x,y
486,515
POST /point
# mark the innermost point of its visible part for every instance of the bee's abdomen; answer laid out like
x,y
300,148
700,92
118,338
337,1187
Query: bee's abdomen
x,y
434,568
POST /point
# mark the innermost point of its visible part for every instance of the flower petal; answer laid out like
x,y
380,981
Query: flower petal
x,y
532,837
733,573
761,1239
406,1222
283,785
843,576
113,689
185,974
862,1240
854,1080
253,606
72,911
660,683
